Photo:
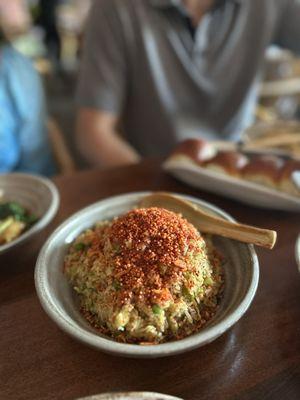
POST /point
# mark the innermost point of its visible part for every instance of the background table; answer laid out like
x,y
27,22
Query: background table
x,y
259,358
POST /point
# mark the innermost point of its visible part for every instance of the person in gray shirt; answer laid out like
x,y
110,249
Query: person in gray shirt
x,y
174,69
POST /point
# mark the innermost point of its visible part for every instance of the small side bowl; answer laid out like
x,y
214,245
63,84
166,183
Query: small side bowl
x,y
60,303
297,252
37,194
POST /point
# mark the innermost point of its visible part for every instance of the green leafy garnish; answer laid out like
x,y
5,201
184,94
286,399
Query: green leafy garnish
x,y
11,209
28,219
16,209
19,213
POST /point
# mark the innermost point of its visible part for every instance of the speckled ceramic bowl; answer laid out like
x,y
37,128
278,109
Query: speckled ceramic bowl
x,y
60,302
130,396
39,195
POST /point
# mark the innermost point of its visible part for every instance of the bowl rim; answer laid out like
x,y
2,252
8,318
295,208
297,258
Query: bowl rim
x,y
46,217
130,350
135,394
297,251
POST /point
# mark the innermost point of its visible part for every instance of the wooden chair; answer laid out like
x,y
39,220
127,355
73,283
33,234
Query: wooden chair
x,y
60,149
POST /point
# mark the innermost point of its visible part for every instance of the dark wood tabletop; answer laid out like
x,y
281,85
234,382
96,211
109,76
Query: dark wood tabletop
x,y
259,358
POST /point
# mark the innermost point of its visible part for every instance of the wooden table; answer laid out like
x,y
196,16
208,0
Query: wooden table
x,y
259,358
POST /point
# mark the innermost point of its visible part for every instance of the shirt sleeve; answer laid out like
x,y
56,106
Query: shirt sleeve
x,y
35,150
288,32
9,145
102,80
27,116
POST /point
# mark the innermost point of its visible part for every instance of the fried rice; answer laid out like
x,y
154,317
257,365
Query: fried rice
x,y
146,277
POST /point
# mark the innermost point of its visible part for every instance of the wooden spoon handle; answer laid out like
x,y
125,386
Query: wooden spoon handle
x,y
208,223
243,233
279,140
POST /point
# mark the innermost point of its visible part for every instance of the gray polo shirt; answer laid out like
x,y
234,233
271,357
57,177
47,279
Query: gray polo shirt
x,y
142,63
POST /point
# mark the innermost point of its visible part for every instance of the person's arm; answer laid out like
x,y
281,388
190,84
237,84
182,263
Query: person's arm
x,y
29,102
99,141
9,144
288,28
103,88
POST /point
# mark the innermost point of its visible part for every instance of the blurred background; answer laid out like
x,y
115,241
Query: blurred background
x,y
50,33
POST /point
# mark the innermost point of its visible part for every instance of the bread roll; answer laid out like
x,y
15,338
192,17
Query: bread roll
x,y
197,150
286,183
264,170
228,162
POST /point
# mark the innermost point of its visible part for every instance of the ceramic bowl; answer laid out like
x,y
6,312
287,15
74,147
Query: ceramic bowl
x,y
297,252
130,396
60,303
38,195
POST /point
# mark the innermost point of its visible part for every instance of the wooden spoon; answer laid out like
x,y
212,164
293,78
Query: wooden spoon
x,y
208,223
283,139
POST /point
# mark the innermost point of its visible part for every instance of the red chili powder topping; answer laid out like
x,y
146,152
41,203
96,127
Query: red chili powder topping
x,y
152,245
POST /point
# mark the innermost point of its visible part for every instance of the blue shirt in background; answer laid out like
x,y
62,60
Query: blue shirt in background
x,y
24,144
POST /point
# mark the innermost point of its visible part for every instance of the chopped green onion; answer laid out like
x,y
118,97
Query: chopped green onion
x,y
208,281
156,309
116,247
80,246
116,285
187,293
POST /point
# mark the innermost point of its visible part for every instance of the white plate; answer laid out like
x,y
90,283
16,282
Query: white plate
x,y
60,303
130,396
38,195
237,189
